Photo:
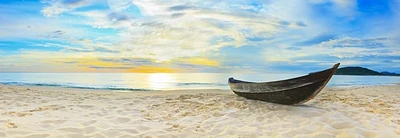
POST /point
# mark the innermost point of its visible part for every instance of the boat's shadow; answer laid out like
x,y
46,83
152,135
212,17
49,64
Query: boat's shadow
x,y
306,106
309,109
268,104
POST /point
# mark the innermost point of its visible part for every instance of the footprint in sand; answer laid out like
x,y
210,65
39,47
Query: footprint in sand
x,y
343,125
90,130
260,119
127,136
97,114
11,125
53,122
74,136
89,123
368,134
46,126
103,125
97,135
47,108
3,121
142,128
109,117
321,135
122,120
122,98
85,106
130,104
44,101
110,133
37,136
133,131
17,114
70,129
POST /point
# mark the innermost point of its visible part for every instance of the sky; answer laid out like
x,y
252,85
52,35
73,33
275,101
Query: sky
x,y
224,36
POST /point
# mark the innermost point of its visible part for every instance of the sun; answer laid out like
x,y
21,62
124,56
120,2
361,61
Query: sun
x,y
161,81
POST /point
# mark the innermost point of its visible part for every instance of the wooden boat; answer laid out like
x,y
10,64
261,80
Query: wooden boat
x,y
291,91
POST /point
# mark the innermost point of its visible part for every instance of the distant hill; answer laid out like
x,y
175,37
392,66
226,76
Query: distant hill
x,y
389,73
362,71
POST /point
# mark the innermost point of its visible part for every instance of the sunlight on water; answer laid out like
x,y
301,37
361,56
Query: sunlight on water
x,y
161,81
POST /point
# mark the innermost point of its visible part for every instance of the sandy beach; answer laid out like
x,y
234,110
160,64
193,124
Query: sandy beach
x,y
36,112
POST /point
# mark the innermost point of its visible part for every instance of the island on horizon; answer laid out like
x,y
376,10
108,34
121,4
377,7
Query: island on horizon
x,y
362,71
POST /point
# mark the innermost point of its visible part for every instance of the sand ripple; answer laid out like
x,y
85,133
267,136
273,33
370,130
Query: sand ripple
x,y
335,112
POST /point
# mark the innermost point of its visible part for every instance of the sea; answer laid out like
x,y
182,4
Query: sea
x,y
169,81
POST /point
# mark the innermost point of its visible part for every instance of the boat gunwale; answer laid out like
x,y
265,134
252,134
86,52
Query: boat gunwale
x,y
334,68
322,80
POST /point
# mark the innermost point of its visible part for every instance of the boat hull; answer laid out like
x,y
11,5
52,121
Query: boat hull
x,y
292,91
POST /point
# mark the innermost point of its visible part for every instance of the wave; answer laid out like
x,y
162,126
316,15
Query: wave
x,y
200,84
74,86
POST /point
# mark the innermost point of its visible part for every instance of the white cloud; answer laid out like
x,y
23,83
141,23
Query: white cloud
x,y
33,27
161,36
119,5
345,8
351,47
57,7
294,12
49,45
167,30
342,8
341,48
178,28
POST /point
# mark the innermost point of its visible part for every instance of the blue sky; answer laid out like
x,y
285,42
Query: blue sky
x,y
261,36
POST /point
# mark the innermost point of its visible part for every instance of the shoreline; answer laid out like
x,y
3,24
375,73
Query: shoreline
x,y
122,92
37,111
169,90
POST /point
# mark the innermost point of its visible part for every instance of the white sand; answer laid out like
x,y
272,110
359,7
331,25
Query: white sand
x,y
336,112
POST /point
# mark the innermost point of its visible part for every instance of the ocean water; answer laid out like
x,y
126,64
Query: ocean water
x,y
168,81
